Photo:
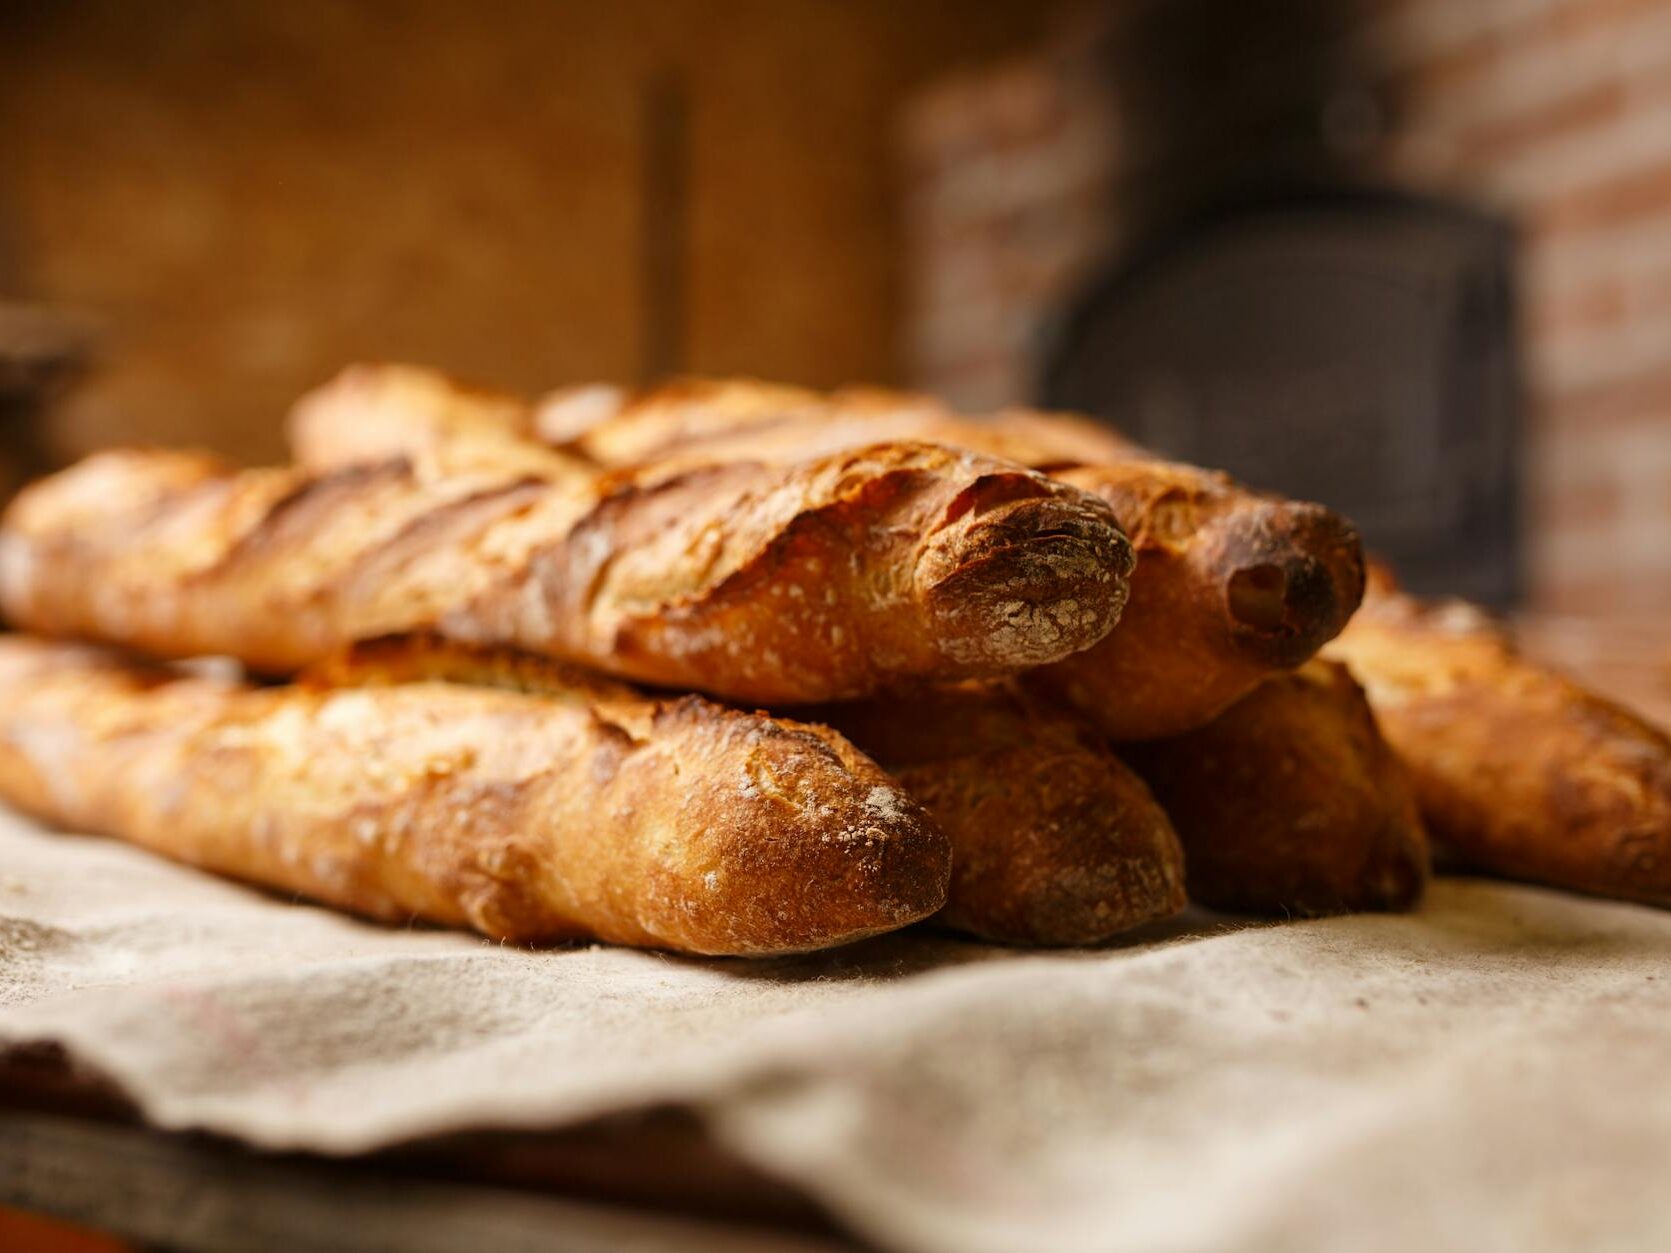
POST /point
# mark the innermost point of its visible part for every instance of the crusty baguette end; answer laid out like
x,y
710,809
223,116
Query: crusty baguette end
x,y
1519,770
1291,802
671,824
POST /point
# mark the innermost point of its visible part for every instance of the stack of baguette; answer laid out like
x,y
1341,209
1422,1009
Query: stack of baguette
x,y
731,668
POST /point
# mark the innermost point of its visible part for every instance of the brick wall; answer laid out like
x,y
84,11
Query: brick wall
x,y
1555,112
1006,203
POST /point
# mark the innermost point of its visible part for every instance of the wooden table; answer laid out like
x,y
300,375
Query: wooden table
x,y
71,1148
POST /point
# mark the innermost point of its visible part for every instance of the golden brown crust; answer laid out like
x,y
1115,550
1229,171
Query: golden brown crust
x,y
883,563
1231,586
773,583
423,657
385,412
675,824
1519,771
720,419
1290,802
1054,840
618,426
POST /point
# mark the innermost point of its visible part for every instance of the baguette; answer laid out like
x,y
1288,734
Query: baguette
x,y
1290,802
1519,771
779,584
1231,586
588,814
717,419
622,426
377,412
1054,840
383,412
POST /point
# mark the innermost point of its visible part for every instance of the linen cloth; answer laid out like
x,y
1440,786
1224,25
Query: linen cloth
x,y
1491,1073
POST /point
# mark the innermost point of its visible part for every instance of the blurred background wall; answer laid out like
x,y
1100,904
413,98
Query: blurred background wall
x,y
249,195
1554,115
211,207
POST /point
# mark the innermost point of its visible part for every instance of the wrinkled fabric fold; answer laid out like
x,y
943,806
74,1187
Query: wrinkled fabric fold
x,y
1484,1074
